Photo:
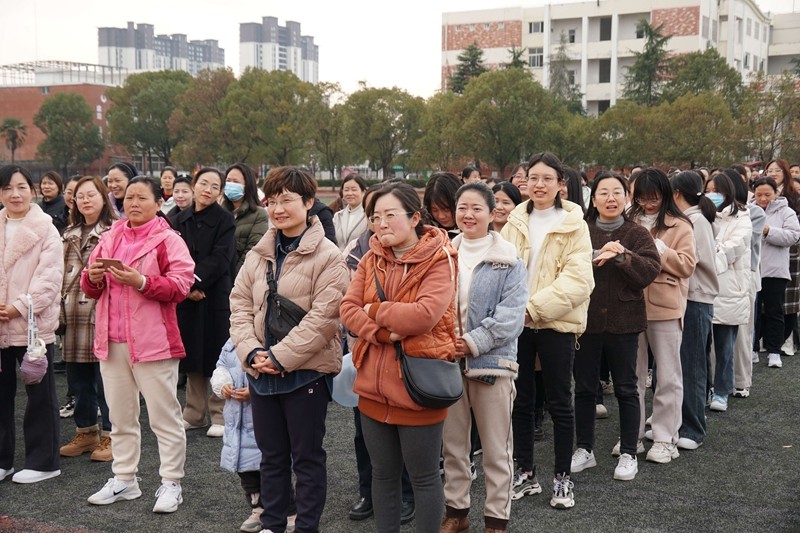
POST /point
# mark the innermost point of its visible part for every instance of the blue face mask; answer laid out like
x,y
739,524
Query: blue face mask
x,y
715,197
234,191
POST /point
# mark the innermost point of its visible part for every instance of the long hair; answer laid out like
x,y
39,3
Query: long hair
x,y
574,187
689,184
653,182
787,191
592,213
107,215
250,187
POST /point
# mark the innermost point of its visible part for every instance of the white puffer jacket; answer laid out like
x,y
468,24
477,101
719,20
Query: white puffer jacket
x,y
732,260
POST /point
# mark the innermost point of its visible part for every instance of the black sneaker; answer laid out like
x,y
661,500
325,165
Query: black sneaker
x,y
538,425
361,510
473,471
523,484
68,409
407,512
59,367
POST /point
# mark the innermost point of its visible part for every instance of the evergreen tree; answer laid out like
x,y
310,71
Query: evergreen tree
x,y
644,80
517,59
470,66
560,86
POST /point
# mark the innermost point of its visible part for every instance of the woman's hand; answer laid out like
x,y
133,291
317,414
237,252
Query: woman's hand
x,y
264,364
226,391
97,273
766,230
196,295
7,312
127,275
462,350
241,395
610,250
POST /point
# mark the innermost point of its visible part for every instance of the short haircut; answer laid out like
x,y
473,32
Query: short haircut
x,y
292,179
107,215
55,177
408,197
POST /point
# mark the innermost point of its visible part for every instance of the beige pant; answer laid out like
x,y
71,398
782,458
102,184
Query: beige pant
x,y
199,401
157,382
664,338
743,350
492,406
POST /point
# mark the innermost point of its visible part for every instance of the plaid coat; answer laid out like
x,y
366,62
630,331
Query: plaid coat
x,y
77,310
791,304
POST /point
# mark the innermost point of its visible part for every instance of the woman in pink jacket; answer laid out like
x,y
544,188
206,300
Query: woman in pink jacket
x,y
137,339
30,249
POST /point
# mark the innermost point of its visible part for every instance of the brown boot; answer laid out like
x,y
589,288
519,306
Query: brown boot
x,y
85,440
103,451
455,525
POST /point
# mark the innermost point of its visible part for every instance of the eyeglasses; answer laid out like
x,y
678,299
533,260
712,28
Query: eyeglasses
x,y
648,201
547,180
388,217
87,196
606,195
774,171
272,204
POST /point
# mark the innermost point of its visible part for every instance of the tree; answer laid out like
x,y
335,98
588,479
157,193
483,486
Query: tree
x,y
438,144
503,116
770,117
707,71
14,132
560,85
382,124
269,116
72,137
644,80
197,119
796,63
624,135
470,66
517,58
329,137
139,117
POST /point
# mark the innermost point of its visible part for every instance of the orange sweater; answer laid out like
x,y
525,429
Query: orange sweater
x,y
420,289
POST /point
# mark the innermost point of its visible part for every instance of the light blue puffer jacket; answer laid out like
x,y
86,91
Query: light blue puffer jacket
x,y
240,452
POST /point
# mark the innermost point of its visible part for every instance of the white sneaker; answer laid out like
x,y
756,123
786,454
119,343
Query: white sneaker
x,y
627,467
775,360
600,411
662,452
649,421
788,346
719,403
5,473
115,490
169,498
615,451
581,460
253,522
563,495
755,359
34,476
216,430
742,393
685,443
648,434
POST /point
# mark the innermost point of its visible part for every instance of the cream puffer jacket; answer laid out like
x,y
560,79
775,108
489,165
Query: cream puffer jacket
x,y
732,260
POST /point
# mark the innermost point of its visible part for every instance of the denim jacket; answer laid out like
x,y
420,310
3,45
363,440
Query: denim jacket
x,y
498,294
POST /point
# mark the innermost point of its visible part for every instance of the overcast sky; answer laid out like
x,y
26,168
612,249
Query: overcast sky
x,y
385,43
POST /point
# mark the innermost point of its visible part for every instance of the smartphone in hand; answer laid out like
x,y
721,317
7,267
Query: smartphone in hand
x,y
116,263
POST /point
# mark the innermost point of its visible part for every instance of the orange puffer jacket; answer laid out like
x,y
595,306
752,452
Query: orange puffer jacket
x,y
420,288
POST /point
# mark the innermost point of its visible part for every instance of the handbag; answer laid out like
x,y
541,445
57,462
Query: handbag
x,y
34,363
430,383
283,314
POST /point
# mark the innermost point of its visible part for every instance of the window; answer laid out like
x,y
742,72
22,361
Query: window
x,y
639,31
485,25
764,34
747,60
761,65
755,62
739,26
749,27
605,29
714,30
501,25
756,29
472,27
536,27
45,90
571,77
704,31
458,27
605,71
536,57
602,106
570,36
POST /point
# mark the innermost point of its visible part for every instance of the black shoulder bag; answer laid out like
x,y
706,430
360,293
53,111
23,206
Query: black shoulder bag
x,y
283,314
430,383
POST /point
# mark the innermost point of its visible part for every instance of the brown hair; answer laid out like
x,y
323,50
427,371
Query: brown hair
x,y
292,179
107,215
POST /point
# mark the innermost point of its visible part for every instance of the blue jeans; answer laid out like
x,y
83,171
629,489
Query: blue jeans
x,y
696,329
86,384
724,342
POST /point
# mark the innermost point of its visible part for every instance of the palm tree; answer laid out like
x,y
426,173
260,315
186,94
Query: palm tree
x,y
13,131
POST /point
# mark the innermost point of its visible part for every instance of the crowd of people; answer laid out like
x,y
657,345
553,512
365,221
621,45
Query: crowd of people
x,y
549,291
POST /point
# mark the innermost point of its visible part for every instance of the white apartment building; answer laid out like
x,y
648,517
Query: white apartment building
x,y
602,36
268,46
785,43
137,49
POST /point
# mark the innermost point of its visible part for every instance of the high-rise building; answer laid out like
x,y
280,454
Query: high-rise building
x,y
601,37
268,46
137,48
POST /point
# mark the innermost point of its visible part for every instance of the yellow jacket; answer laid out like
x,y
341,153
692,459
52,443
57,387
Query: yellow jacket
x,y
559,296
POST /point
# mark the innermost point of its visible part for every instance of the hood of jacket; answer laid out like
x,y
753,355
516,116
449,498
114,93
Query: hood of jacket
x,y
500,251
156,235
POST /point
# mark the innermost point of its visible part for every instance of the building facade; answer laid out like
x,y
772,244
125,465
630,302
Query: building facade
x,y
269,46
137,49
602,36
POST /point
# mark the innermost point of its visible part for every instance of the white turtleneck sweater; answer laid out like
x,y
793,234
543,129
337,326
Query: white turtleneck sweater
x,y
540,223
470,254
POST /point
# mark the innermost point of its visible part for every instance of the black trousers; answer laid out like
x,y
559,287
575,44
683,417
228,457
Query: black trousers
x,y
289,430
556,353
365,466
40,424
620,353
769,314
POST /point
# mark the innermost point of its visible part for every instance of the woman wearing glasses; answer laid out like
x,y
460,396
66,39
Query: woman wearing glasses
x,y
654,208
553,241
290,378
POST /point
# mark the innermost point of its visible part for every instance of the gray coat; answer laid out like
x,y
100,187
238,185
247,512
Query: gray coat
x,y
498,294
784,231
